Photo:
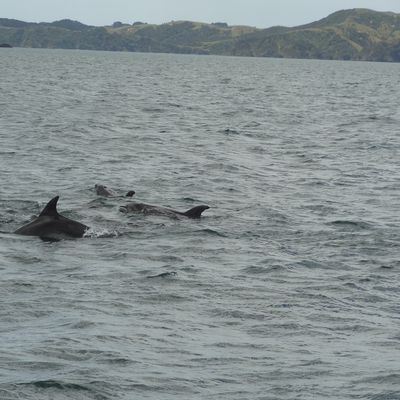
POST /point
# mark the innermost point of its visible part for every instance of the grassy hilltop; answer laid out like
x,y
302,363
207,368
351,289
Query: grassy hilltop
x,y
357,34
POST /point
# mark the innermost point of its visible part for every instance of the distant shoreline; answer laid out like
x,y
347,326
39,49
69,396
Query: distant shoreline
x,y
353,35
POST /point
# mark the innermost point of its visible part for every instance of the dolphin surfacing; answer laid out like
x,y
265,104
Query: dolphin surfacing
x,y
51,225
148,209
104,191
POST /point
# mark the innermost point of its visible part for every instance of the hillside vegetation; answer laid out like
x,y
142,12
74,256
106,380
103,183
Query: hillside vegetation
x,y
357,34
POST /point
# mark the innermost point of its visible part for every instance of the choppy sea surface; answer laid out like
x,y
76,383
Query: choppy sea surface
x,y
288,286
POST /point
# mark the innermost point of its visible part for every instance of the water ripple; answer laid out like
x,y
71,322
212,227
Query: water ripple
x,y
286,287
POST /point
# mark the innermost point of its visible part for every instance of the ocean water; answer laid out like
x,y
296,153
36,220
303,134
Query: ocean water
x,y
288,286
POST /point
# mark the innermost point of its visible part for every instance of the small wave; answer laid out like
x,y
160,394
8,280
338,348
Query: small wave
x,y
101,233
176,105
259,149
166,258
386,267
259,270
163,275
252,124
352,83
350,224
47,389
46,384
100,202
238,314
211,232
310,264
53,388
153,110
167,298
82,324
229,131
27,259
23,284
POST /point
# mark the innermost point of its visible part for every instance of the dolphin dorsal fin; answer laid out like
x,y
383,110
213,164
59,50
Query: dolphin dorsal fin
x,y
195,212
51,208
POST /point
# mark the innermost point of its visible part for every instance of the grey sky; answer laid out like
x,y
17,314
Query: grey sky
x,y
260,13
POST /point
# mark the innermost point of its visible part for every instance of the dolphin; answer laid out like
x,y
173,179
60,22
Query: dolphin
x,y
148,209
53,226
103,190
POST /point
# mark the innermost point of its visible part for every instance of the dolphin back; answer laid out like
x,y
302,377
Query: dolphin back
x,y
51,225
148,209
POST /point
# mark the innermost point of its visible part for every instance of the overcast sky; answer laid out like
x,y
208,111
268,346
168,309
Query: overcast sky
x,y
259,13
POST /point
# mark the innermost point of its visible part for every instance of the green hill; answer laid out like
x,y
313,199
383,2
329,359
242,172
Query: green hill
x,y
357,34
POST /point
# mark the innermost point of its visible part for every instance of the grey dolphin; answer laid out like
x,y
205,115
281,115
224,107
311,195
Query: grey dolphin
x,y
103,190
148,209
51,225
